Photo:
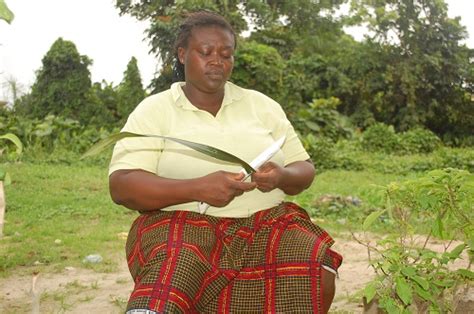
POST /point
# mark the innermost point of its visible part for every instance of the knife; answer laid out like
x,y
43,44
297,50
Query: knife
x,y
264,156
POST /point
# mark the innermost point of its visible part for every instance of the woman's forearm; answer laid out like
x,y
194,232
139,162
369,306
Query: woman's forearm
x,y
145,191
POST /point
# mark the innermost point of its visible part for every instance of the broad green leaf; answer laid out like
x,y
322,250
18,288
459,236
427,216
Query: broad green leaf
x,y
5,13
3,173
312,126
456,252
444,283
423,294
369,292
437,227
421,281
404,290
409,271
371,218
14,139
205,149
390,305
466,273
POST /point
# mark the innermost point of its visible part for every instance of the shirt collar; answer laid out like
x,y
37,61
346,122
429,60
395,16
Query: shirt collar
x,y
231,94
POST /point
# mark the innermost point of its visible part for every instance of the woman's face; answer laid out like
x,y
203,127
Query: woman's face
x,y
209,58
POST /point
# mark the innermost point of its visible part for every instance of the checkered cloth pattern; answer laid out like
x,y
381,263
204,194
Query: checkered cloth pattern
x,y
185,262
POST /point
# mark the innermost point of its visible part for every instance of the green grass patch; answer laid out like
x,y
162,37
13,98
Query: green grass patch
x,y
58,214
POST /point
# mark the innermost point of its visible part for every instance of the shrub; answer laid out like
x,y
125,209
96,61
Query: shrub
x,y
419,140
326,154
321,118
321,150
380,138
457,158
54,134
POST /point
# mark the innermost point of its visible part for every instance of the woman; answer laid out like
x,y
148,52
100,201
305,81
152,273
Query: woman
x,y
250,252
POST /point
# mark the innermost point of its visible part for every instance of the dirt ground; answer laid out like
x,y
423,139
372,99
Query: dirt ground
x,y
77,290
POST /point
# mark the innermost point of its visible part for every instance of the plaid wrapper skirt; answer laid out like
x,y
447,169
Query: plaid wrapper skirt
x,y
185,262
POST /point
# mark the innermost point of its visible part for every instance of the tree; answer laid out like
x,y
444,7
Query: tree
x,y
130,91
105,96
259,67
63,84
427,72
303,17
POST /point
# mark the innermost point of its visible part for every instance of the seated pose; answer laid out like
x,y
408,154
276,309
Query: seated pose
x,y
250,252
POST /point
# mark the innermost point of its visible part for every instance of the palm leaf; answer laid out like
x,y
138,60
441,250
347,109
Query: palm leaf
x,y
15,140
205,149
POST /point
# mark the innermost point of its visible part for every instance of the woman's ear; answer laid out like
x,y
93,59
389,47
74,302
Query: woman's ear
x,y
181,52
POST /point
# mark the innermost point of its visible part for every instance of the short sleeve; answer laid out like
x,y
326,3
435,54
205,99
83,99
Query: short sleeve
x,y
140,152
276,120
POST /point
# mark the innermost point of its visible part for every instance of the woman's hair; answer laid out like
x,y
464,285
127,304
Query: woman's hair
x,y
194,20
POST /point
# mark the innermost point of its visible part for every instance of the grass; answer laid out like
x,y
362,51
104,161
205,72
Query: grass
x,y
48,202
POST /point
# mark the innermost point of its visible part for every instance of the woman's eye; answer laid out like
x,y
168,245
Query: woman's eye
x,y
227,54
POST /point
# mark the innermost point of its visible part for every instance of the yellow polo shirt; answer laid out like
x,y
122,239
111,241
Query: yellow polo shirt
x,y
246,124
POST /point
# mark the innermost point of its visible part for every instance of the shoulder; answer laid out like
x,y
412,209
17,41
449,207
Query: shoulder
x,y
253,97
155,111
155,103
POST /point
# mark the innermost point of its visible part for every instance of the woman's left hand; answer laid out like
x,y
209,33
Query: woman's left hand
x,y
269,176
291,179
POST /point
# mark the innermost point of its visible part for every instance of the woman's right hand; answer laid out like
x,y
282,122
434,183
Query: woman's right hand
x,y
219,188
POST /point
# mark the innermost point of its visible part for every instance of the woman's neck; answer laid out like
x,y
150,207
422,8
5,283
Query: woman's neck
x,y
210,102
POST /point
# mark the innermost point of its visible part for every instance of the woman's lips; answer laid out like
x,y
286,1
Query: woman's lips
x,y
215,74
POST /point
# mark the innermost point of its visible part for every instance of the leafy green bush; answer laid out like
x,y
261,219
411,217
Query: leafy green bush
x,y
410,276
52,137
380,138
321,118
457,158
419,140
326,154
321,150
259,67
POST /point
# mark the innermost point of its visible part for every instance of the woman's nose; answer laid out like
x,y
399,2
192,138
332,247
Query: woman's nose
x,y
216,59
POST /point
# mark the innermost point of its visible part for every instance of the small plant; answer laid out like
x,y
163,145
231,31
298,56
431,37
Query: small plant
x,y
118,301
410,275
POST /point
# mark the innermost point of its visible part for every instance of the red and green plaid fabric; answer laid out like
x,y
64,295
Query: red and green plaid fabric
x,y
271,262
